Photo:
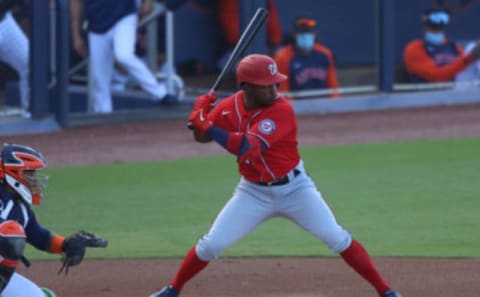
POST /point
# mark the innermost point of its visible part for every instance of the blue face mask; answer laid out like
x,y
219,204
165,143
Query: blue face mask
x,y
305,41
435,38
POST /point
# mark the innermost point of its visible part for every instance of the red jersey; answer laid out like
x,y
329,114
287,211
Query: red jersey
x,y
275,125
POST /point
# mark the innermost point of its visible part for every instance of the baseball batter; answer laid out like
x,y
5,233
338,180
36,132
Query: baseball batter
x,y
112,26
259,127
14,48
21,185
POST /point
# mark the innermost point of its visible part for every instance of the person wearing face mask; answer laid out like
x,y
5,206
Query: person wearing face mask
x,y
307,63
435,58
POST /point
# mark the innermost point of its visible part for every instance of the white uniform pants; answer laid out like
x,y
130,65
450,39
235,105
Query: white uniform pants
x,y
19,286
252,204
14,52
118,44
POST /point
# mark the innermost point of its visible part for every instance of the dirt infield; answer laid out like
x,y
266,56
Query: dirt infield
x,y
272,277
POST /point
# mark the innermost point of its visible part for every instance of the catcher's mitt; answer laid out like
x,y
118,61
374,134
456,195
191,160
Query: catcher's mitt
x,y
74,248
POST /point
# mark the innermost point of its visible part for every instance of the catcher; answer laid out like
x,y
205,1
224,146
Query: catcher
x,y
21,185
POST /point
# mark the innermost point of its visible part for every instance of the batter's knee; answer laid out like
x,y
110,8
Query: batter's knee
x,y
338,241
208,249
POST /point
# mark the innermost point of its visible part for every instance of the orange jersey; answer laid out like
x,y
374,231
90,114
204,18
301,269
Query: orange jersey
x,y
229,20
275,125
431,63
315,71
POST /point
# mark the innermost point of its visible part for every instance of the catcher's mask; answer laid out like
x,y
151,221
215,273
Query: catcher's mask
x,y
19,169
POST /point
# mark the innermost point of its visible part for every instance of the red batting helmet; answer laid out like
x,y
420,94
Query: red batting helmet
x,y
259,70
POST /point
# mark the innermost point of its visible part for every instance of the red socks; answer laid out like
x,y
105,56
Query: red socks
x,y
191,265
357,257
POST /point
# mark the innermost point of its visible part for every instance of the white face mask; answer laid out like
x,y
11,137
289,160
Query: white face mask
x,y
435,38
305,41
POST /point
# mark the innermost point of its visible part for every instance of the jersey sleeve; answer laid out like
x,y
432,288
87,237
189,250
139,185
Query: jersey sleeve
x,y
420,64
215,116
37,235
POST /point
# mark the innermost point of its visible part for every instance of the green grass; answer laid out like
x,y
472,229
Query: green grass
x,y
418,198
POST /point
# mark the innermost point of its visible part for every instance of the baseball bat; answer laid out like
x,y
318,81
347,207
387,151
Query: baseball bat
x,y
245,40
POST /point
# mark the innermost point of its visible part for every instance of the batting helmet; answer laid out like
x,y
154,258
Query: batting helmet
x,y
259,70
19,166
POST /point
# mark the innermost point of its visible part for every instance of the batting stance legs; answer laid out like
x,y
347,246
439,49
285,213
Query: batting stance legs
x,y
252,204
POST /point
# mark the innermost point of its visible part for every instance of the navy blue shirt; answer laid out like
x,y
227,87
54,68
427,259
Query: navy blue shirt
x,y
12,209
309,72
103,14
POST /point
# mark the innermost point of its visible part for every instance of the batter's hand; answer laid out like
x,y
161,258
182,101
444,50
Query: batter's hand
x,y
205,102
200,121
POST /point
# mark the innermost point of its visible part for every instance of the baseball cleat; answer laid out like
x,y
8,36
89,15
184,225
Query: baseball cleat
x,y
391,293
168,291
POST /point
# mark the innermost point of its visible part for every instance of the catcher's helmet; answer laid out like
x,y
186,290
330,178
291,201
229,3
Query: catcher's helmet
x,y
259,70
19,165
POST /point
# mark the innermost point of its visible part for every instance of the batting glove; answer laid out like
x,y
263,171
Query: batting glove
x,y
200,121
205,102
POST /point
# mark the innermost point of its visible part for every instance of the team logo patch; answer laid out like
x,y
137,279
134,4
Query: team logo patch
x,y
272,68
266,126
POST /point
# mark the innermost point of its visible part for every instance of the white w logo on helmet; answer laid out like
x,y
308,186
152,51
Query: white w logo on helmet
x,y
272,68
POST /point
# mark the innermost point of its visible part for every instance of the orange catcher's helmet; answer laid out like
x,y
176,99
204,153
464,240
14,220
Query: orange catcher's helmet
x,y
259,70
19,169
